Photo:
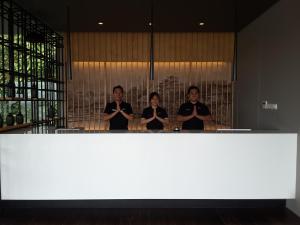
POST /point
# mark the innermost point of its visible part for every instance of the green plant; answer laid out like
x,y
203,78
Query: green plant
x,y
15,108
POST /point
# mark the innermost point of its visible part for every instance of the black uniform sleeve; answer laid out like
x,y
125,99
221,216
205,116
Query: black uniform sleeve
x,y
129,109
144,115
164,114
107,109
181,110
205,111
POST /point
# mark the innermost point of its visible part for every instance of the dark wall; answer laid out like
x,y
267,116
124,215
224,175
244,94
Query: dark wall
x,y
269,69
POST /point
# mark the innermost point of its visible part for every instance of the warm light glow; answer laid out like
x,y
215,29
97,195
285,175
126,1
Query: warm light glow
x,y
126,64
201,23
100,23
157,62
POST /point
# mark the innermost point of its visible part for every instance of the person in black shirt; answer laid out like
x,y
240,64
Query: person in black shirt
x,y
193,113
154,116
118,112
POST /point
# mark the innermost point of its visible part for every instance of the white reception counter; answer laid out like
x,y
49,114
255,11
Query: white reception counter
x,y
148,166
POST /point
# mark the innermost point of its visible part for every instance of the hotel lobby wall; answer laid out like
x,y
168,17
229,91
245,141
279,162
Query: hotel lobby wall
x,y
103,60
268,69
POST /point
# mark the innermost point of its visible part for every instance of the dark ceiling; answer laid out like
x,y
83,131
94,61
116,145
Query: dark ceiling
x,y
134,15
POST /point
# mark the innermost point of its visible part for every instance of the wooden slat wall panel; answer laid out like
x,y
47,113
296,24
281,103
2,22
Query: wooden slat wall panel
x,y
103,60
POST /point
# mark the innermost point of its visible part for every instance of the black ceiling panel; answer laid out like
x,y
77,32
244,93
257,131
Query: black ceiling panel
x,y
134,15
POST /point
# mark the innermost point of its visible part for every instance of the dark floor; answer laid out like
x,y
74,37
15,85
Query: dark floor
x,y
148,217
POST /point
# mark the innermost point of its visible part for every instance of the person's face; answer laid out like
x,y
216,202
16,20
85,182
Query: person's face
x,y
118,95
154,101
194,95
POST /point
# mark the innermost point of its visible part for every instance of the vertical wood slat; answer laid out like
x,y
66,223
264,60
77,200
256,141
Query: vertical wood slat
x,y
89,78
94,82
78,81
216,47
103,60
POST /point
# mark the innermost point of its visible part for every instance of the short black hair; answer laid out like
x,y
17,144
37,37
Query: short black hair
x,y
193,87
118,87
154,94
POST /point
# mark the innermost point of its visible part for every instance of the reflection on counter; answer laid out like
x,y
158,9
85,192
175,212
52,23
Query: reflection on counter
x,y
53,130
135,125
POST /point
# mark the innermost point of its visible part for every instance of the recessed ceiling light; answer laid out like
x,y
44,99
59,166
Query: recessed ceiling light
x,y
100,23
201,24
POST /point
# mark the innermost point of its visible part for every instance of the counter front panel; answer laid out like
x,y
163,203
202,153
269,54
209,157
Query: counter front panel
x,y
148,166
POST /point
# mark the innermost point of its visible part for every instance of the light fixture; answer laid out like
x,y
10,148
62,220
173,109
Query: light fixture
x,y
150,24
201,24
100,23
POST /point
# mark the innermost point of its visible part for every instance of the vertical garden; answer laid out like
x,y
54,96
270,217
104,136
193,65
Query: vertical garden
x,y
31,70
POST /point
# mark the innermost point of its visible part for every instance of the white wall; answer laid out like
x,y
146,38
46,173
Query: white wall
x,y
269,69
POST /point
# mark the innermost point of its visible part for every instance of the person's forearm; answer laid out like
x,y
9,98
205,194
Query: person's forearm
x,y
184,118
145,121
129,117
204,118
109,116
164,121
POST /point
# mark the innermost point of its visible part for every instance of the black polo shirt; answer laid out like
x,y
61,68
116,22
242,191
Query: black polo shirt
x,y
118,122
186,109
154,124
